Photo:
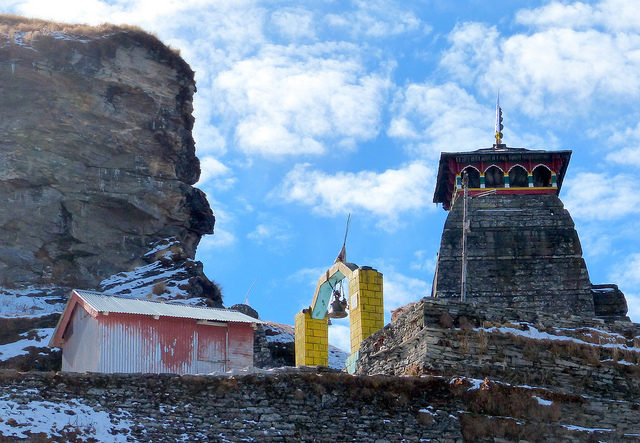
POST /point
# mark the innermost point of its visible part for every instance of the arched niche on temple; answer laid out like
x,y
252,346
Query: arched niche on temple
x,y
493,177
541,177
474,176
518,177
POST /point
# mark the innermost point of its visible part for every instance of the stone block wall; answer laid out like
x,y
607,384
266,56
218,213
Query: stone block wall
x,y
523,251
295,406
609,301
590,358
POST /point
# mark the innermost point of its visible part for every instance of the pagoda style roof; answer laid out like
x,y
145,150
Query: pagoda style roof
x,y
452,163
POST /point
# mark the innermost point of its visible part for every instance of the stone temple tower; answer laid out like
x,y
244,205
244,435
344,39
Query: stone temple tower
x,y
521,248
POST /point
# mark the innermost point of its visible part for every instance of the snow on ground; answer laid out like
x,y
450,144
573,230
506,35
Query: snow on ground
x,y
41,340
542,401
608,337
337,358
56,420
163,245
140,278
589,430
20,303
279,333
620,362
429,410
534,333
475,383
139,282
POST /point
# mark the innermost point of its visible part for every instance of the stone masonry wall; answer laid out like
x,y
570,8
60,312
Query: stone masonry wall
x,y
522,251
594,360
294,405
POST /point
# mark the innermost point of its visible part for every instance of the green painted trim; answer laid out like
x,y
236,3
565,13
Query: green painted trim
x,y
352,362
324,296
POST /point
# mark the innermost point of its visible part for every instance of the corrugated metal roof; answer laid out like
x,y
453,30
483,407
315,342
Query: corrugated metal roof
x,y
123,305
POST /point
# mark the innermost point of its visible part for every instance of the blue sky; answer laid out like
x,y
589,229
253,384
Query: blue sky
x,y
309,110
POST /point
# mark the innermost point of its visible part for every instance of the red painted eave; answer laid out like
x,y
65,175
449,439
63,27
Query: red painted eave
x,y
443,190
65,318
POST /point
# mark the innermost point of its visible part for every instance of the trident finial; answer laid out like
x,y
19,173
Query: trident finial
x,y
499,126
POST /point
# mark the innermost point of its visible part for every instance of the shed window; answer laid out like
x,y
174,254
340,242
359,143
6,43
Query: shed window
x,y
541,177
518,177
494,177
474,177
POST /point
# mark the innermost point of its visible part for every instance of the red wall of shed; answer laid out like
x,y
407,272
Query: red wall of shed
x,y
140,343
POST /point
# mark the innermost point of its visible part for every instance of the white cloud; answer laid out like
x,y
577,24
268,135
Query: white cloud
x,y
472,46
627,276
386,194
400,290
424,261
273,231
626,156
596,243
294,23
215,174
556,70
340,334
219,239
208,138
614,15
597,196
377,18
308,276
633,303
628,271
435,118
223,235
288,100
629,139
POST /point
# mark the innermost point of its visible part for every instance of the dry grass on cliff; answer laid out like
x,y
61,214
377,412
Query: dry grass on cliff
x,y
33,29
10,24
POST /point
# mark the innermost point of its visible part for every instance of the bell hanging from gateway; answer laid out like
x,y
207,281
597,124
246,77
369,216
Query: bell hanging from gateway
x,y
338,307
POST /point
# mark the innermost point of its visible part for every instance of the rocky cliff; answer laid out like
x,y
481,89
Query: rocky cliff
x,y
98,163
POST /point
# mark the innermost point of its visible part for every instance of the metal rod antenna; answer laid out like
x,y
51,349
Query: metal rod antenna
x,y
463,277
246,296
346,232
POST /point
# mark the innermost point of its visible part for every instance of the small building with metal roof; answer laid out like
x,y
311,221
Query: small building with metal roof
x,y
110,334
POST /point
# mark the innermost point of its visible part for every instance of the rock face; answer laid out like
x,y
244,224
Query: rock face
x,y
97,153
523,251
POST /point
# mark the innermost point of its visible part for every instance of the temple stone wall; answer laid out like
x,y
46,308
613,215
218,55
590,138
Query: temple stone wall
x,y
523,251
595,360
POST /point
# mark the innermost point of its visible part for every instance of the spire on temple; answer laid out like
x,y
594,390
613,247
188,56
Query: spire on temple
x,y
499,126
